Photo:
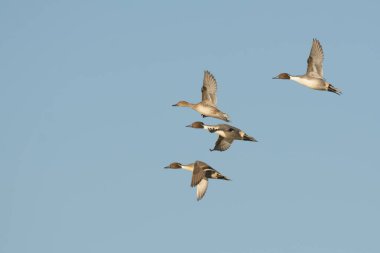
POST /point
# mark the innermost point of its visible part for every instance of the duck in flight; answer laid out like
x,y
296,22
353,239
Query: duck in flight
x,y
201,173
207,107
227,134
314,73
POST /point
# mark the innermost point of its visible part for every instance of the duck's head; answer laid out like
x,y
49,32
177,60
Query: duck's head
x,y
174,165
196,124
282,76
182,103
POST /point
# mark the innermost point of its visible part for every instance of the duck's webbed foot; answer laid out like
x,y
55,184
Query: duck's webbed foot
x,y
212,130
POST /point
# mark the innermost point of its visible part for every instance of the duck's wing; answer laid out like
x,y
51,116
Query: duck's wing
x,y
222,143
209,89
199,179
198,173
202,188
315,60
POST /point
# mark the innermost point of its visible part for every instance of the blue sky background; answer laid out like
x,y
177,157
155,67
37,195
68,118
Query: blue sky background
x,y
86,89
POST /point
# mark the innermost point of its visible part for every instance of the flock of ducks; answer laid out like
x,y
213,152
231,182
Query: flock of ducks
x,y
201,171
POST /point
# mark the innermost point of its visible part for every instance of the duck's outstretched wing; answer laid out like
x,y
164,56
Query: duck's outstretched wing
x,y
222,144
202,188
199,179
315,60
209,89
198,173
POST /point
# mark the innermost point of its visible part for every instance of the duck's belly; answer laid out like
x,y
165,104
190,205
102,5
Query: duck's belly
x,y
313,83
205,110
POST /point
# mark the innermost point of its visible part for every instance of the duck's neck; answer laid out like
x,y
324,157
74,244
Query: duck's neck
x,y
298,79
187,104
189,167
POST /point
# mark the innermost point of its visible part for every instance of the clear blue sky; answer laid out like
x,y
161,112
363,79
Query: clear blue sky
x,y
86,89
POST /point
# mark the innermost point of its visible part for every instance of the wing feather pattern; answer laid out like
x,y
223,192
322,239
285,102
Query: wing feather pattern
x,y
223,144
209,89
315,60
202,188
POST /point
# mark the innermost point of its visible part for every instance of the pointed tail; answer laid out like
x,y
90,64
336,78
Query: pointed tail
x,y
249,138
223,177
333,89
226,117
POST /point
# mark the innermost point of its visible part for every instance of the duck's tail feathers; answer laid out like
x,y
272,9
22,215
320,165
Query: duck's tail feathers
x,y
333,89
226,117
223,177
249,138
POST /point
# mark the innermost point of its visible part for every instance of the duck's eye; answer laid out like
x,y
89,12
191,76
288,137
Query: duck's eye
x,y
231,129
